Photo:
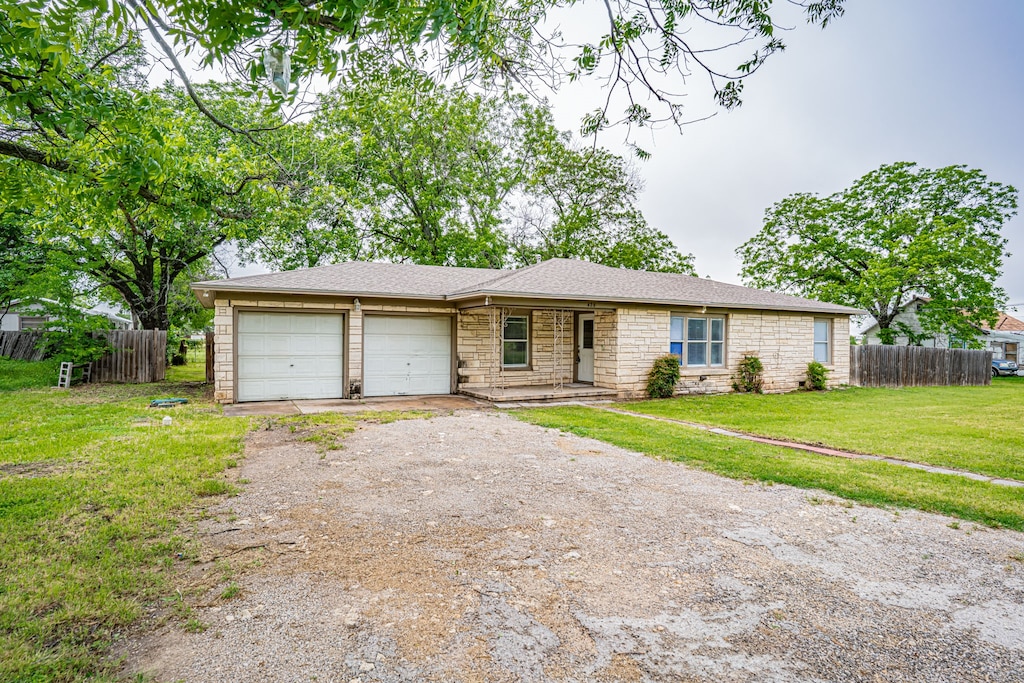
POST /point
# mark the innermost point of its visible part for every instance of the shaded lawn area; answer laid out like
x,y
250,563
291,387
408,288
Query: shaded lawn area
x,y
93,496
979,429
20,374
864,481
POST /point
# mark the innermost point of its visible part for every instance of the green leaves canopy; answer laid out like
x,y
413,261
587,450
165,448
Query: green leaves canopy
x,y
403,170
900,231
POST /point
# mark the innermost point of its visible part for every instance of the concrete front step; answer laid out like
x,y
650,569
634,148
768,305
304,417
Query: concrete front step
x,y
536,394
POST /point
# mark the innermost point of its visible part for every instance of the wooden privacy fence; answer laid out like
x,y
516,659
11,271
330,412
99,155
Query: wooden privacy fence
x,y
20,345
917,366
137,356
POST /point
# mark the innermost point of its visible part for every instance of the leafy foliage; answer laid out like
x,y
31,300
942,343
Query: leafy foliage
x,y
74,335
749,376
900,231
135,192
581,203
817,376
663,377
644,52
396,168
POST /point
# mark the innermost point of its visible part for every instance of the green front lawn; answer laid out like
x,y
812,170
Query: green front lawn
x,y
94,492
864,481
980,429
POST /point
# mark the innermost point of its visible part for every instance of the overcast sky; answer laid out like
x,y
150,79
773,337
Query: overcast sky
x,y
937,82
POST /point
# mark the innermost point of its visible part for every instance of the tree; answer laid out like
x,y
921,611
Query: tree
x,y
644,52
404,170
581,203
22,260
204,187
900,231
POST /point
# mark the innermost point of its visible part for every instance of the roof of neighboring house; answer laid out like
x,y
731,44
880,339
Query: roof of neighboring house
x,y
96,310
1006,323
551,279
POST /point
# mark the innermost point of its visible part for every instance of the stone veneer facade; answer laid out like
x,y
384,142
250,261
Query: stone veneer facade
x,y
627,340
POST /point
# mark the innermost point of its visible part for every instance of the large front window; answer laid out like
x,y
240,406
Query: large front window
x,y
698,341
515,342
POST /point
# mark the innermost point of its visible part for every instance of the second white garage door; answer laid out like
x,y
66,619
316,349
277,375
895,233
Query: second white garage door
x,y
406,355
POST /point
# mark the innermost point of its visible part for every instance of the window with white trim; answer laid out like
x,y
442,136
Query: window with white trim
x,y
822,343
698,341
515,342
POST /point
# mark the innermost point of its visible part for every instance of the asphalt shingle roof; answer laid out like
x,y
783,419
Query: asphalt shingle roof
x,y
362,278
551,279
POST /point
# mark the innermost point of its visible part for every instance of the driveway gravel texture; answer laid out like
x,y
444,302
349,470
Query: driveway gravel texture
x,y
474,547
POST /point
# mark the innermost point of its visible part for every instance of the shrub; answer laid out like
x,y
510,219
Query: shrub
x,y
74,335
663,377
750,379
817,376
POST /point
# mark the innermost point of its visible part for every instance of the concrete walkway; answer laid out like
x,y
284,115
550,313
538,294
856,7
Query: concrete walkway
x,y
352,406
819,450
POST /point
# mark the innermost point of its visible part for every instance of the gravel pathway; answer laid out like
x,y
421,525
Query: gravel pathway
x,y
475,547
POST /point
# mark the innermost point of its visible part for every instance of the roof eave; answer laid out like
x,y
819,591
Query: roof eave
x,y
198,287
838,310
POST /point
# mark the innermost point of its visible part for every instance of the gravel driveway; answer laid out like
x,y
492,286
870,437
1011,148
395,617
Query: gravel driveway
x,y
474,547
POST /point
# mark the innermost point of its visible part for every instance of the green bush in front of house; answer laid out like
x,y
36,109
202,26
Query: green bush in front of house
x,y
663,377
817,377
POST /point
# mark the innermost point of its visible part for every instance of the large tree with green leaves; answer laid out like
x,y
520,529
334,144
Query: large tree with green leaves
x,y
142,186
900,231
643,51
404,170
581,202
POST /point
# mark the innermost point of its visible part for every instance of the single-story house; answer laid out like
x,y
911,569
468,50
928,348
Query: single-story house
x,y
557,328
1004,339
21,315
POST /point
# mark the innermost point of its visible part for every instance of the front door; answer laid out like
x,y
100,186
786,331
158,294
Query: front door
x,y
585,349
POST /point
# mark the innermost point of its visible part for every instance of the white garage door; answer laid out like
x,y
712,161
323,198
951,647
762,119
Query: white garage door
x,y
406,355
289,355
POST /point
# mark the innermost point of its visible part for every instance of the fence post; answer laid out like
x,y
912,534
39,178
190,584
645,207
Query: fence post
x,y
209,358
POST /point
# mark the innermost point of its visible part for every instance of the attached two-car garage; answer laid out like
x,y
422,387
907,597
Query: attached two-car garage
x,y
285,356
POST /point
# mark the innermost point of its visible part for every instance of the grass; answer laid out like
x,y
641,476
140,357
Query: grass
x,y
97,501
868,482
980,429
93,496
21,374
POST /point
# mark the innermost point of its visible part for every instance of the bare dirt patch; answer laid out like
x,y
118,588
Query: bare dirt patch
x,y
475,547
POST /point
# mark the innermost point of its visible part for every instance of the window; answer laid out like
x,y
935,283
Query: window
x,y
588,333
515,341
27,322
699,342
822,351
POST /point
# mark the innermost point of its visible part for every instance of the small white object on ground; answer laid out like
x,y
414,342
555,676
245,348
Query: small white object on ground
x,y
167,420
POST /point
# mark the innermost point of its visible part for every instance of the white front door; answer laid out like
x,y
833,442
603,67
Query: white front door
x,y
289,355
407,355
585,348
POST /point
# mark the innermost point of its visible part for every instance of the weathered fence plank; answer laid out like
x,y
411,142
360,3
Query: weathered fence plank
x,y
917,366
20,345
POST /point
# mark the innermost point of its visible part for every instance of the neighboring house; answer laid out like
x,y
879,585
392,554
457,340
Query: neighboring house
x,y
1003,339
557,328
18,316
